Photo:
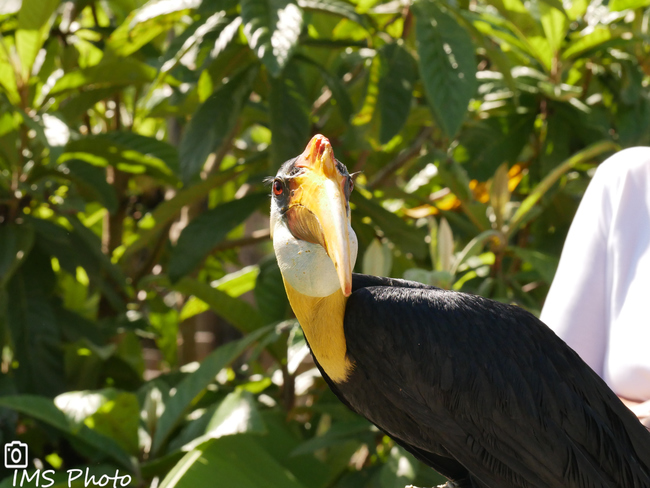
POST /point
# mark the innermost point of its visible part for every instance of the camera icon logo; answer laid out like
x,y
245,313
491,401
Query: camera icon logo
x,y
15,455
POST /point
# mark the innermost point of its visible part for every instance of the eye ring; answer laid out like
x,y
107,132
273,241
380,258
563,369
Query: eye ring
x,y
277,187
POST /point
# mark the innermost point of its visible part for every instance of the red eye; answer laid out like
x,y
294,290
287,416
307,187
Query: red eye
x,y
277,187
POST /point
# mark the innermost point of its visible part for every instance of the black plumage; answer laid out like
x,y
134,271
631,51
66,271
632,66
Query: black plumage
x,y
484,392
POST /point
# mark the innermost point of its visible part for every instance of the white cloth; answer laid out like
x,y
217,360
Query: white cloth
x,y
599,301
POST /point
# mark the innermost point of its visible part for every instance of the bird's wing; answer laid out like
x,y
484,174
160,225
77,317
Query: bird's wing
x,y
490,384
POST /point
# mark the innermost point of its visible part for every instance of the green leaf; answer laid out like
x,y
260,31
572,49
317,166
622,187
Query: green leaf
x,y
112,413
339,433
193,384
378,259
397,76
447,64
91,183
555,24
232,457
145,24
33,26
236,311
543,263
212,123
406,237
167,211
35,333
207,230
336,86
335,7
270,296
485,144
15,243
618,5
272,28
114,72
540,190
238,413
46,411
595,37
131,153
289,117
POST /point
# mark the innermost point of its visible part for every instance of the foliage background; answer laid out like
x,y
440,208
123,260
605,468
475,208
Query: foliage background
x,y
143,322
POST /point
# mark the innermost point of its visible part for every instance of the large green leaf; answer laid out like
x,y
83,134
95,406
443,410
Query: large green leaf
x,y
128,152
335,7
113,72
289,116
485,144
336,86
91,183
208,230
15,243
212,123
145,24
238,413
46,411
193,384
270,296
236,311
447,64
540,190
272,28
232,457
33,26
555,24
618,5
167,211
406,237
35,333
113,413
397,75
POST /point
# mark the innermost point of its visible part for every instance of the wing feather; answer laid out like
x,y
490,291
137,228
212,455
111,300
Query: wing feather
x,y
490,386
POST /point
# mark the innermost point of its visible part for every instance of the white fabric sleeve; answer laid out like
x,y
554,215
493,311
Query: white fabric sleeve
x,y
576,305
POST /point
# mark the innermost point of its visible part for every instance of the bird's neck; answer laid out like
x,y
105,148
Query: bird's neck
x,y
321,319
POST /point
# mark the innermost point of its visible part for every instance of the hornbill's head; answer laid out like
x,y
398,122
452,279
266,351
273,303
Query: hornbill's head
x,y
310,222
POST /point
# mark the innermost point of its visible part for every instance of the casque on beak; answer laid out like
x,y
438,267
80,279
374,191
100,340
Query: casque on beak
x,y
318,207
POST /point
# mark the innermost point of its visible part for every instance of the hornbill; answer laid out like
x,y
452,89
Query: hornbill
x,y
481,391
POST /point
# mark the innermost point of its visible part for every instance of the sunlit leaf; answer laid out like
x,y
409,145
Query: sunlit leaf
x,y
238,413
114,72
618,5
44,410
378,259
33,25
335,7
231,457
115,414
555,24
447,64
194,383
235,310
272,28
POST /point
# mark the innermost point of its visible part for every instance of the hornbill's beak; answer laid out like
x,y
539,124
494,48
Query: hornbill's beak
x,y
318,208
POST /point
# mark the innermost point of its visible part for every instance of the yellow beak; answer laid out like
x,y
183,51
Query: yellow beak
x,y
318,210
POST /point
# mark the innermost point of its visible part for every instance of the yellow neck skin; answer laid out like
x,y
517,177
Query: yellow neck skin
x,y
321,320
